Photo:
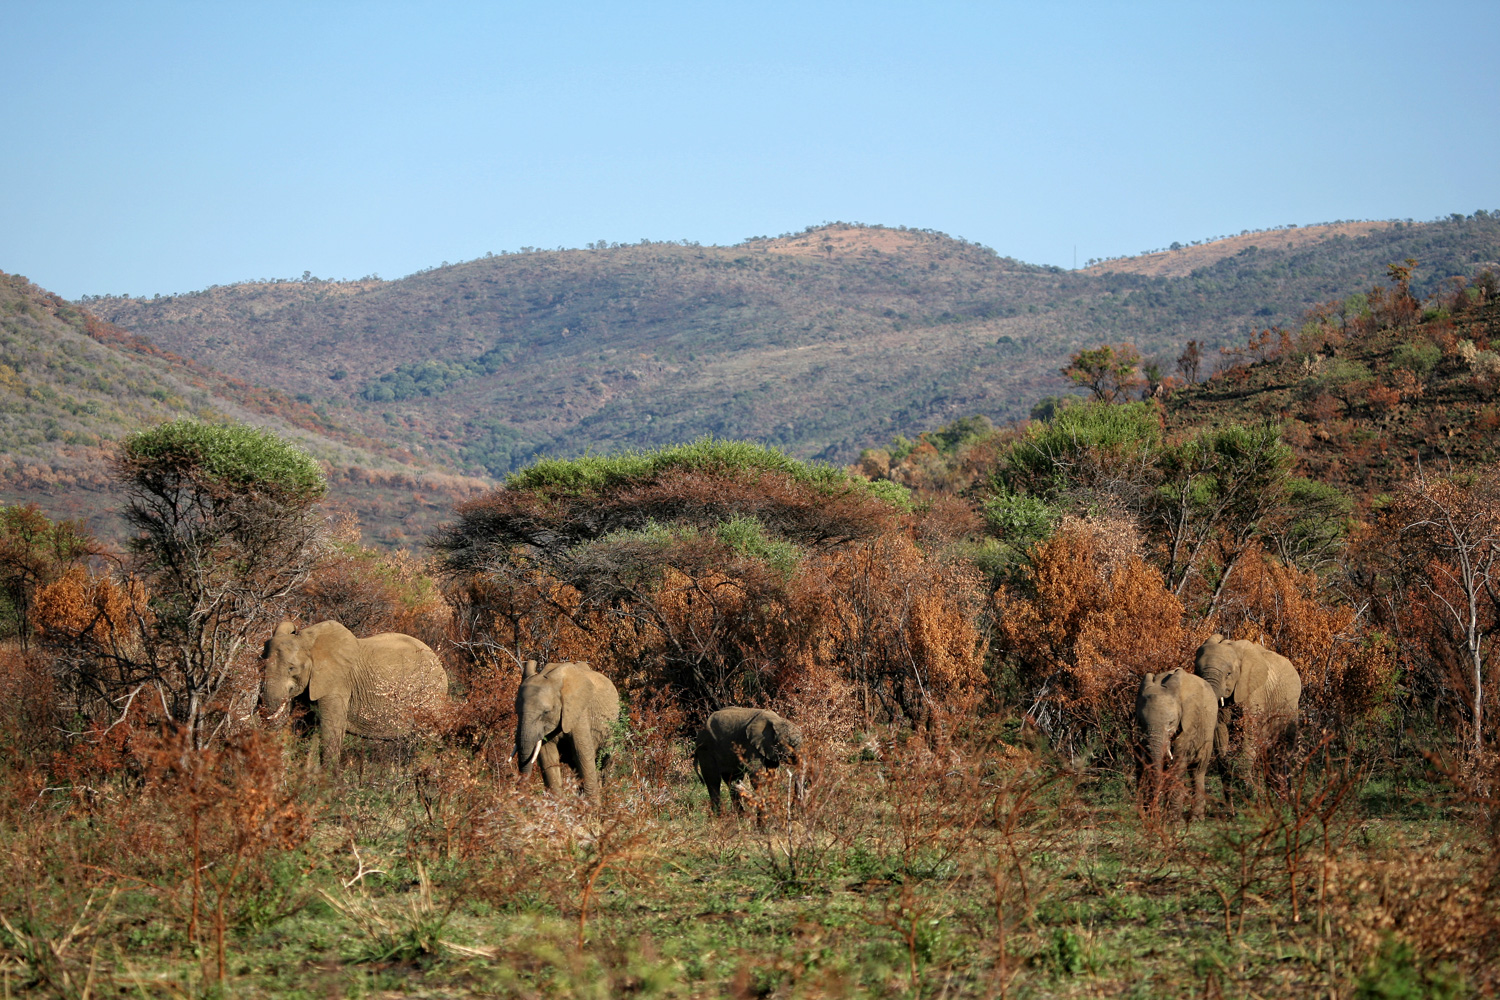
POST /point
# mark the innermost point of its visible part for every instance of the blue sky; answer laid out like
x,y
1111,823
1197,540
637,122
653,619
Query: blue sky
x,y
155,147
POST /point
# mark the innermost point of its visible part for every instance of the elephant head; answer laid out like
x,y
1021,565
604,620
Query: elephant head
x,y
1227,669
539,713
1158,715
774,739
317,659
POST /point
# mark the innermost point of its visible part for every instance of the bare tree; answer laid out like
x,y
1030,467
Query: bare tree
x,y
1451,526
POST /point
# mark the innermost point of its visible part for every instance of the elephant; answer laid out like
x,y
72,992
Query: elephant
x,y
1175,716
1262,684
740,741
565,712
377,687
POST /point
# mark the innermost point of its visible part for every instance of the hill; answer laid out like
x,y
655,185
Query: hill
x,y
1179,261
822,342
71,385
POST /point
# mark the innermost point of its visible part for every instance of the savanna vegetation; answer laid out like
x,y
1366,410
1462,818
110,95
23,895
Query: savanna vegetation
x,y
957,624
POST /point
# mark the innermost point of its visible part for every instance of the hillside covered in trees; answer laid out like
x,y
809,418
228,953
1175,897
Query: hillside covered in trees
x,y
822,343
72,386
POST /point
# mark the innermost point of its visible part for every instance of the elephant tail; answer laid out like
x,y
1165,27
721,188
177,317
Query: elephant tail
x,y
700,745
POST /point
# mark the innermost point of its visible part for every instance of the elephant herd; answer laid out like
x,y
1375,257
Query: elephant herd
x,y
381,687
566,712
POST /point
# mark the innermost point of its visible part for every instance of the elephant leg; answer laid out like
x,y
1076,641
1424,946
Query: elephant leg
x,y
1200,788
551,761
708,770
757,778
584,750
711,780
333,720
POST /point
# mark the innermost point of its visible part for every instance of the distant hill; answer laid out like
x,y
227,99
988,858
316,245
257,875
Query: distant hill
x,y
72,385
821,342
1178,261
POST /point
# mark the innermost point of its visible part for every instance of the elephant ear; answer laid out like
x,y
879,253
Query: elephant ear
x,y
528,669
761,735
1216,637
577,693
1171,681
334,652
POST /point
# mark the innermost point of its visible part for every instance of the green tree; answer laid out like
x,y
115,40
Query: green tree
x,y
1226,488
227,526
1110,373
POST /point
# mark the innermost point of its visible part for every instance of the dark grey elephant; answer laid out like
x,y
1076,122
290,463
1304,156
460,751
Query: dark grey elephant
x,y
737,742
380,687
1175,715
1259,685
565,713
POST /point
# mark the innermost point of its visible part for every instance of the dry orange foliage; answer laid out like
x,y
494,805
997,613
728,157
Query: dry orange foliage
x,y
1096,616
898,624
93,605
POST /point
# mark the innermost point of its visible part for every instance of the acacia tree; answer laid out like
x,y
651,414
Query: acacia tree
x,y
1110,373
675,567
1224,490
227,526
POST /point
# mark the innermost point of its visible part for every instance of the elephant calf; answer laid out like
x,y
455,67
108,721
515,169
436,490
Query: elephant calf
x,y
743,741
1175,716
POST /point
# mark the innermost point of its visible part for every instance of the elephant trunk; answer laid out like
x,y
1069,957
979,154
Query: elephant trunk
x,y
1160,750
528,747
274,704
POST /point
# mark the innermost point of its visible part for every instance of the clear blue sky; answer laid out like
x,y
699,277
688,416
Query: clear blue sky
x,y
154,147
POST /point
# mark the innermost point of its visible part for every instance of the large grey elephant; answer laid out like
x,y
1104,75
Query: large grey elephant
x,y
740,741
1260,683
379,687
1175,716
565,713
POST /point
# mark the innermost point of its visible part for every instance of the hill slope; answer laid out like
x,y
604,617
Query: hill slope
x,y
822,343
71,386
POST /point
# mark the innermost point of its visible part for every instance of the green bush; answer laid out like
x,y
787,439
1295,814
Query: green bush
x,y
1420,358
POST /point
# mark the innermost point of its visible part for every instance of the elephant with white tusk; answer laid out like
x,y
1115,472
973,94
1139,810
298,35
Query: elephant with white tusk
x,y
379,687
565,713
1258,682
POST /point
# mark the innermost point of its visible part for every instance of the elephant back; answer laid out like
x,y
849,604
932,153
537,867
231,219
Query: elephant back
x,y
398,681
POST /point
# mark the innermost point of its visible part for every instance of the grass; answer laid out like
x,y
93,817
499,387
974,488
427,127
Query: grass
x,y
990,873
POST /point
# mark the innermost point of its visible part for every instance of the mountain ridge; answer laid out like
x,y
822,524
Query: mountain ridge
x,y
822,342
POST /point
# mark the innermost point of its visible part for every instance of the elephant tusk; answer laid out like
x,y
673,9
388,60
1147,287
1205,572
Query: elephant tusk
x,y
1169,754
535,753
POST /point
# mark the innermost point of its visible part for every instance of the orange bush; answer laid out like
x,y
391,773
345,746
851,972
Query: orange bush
x,y
897,624
1093,617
